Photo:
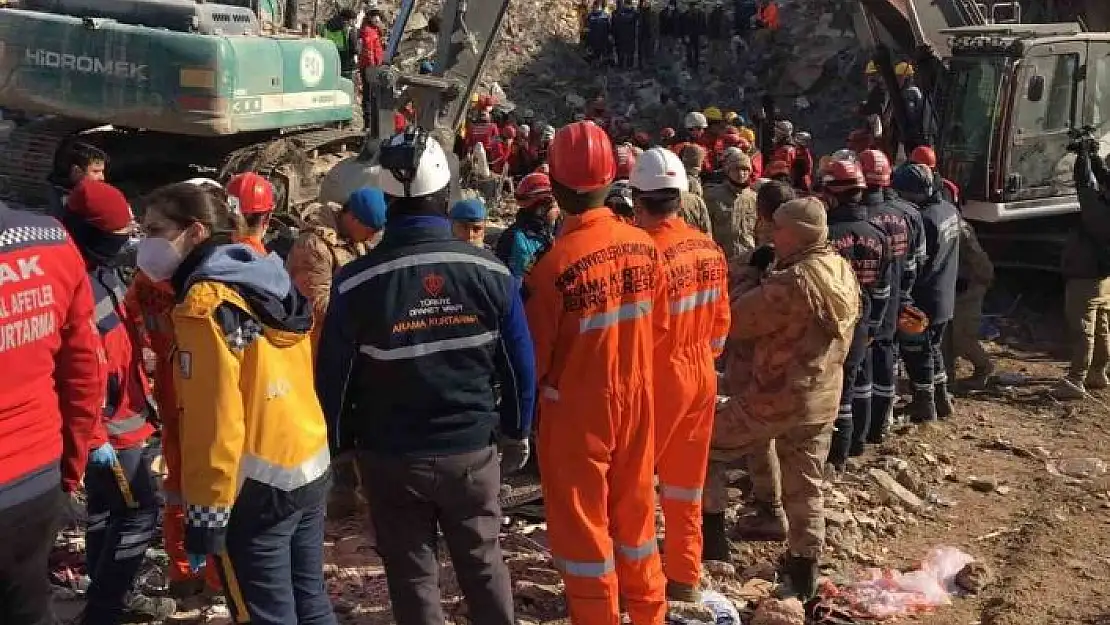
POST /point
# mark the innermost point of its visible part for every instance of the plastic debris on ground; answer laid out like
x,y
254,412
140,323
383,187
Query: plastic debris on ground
x,y
715,609
888,593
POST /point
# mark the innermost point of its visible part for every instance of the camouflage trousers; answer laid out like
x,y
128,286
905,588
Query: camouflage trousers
x,y
962,338
1087,310
786,461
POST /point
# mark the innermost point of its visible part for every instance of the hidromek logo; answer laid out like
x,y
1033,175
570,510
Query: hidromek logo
x,y
86,64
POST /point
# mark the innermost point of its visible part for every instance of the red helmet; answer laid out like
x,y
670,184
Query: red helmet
x,y
785,153
581,157
253,193
843,175
924,155
626,161
777,168
533,188
876,168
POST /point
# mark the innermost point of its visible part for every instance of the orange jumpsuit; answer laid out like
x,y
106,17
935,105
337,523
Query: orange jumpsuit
x,y
686,386
596,309
153,302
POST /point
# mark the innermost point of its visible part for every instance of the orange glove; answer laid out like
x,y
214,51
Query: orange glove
x,y
912,320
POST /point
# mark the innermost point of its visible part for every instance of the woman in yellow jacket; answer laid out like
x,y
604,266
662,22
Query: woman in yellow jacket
x,y
254,452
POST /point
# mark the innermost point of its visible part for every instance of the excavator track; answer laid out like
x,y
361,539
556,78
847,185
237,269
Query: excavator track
x,y
27,159
291,156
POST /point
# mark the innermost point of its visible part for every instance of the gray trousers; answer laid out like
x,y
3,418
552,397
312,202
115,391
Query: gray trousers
x,y
409,498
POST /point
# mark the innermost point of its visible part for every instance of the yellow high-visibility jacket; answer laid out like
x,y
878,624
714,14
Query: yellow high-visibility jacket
x,y
249,413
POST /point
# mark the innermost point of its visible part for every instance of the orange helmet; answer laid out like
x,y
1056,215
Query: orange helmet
x,y
876,168
843,175
533,188
924,155
251,193
581,157
777,168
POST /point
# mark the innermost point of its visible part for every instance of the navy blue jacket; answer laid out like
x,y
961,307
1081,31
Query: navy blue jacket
x,y
890,216
935,290
865,247
417,333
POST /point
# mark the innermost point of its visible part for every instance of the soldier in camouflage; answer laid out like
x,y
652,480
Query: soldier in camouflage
x,y
791,327
732,207
973,278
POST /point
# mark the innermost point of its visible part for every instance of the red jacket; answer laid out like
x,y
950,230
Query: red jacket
x,y
54,377
371,53
128,403
481,132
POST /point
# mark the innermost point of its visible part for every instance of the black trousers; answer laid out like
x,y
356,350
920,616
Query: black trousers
x,y
409,498
368,74
924,358
843,435
26,537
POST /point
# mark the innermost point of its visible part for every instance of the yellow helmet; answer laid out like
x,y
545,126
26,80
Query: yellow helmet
x,y
713,114
748,135
903,69
872,69
474,98
731,116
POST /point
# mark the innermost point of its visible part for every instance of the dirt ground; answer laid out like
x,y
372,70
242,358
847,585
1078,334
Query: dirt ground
x,y
984,476
1044,537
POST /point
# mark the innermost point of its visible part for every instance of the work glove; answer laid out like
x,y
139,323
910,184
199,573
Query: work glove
x,y
762,257
514,455
103,456
196,561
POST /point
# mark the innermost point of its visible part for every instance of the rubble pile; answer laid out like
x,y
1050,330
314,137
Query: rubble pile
x,y
812,67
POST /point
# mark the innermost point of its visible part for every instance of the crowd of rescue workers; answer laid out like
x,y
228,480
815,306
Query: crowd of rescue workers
x,y
665,307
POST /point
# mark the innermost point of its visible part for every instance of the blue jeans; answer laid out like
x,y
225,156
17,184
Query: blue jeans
x,y
117,536
273,571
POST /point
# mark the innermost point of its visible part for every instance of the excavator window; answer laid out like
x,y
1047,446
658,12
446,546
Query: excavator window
x,y
1055,111
1100,99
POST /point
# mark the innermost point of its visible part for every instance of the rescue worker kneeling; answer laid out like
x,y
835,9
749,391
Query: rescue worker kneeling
x,y
686,381
254,453
596,309
790,333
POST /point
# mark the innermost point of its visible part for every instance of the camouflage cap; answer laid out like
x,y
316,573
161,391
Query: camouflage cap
x,y
806,217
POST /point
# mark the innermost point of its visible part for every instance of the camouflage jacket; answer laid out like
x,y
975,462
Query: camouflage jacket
x,y
695,213
693,180
976,268
316,256
733,214
790,335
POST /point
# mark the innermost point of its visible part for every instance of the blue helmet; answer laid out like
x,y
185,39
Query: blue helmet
x,y
915,180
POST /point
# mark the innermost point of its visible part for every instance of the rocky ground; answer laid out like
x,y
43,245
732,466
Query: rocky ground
x,y
1017,480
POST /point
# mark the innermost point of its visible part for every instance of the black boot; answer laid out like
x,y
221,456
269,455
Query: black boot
x,y
803,576
942,399
922,408
715,543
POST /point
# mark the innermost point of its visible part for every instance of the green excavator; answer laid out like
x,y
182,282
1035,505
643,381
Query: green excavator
x,y
173,87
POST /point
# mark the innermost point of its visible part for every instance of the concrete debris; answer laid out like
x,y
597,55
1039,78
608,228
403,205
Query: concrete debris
x,y
982,484
689,612
974,578
780,612
893,491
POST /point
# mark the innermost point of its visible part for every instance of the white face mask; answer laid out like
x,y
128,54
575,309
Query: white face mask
x,y
158,258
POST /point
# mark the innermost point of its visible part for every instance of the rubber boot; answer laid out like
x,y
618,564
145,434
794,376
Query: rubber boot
x,y
768,524
677,591
715,542
942,399
803,576
922,408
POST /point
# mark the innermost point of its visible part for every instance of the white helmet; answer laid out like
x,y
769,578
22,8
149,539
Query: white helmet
x,y
695,119
657,169
413,164
204,182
